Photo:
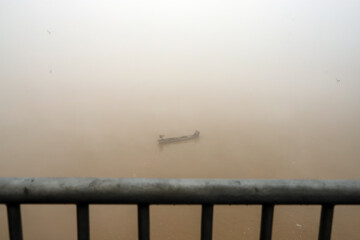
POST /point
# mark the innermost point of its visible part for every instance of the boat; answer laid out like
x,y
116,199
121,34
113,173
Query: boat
x,y
163,140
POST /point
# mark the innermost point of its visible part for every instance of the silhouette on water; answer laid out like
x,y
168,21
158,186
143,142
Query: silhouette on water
x,y
163,140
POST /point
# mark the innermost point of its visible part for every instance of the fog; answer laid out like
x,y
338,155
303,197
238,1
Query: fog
x,y
86,87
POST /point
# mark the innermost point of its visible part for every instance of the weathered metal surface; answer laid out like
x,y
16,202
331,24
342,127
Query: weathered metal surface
x,y
178,191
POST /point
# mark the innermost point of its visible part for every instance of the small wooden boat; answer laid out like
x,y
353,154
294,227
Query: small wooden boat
x,y
163,140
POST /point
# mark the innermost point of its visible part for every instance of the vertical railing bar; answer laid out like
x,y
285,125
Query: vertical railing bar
x,y
267,215
83,228
327,212
14,221
207,221
143,222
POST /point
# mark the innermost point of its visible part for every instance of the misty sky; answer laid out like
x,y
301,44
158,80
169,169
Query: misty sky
x,y
160,39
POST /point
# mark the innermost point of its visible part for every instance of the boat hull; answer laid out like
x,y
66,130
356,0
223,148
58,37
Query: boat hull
x,y
178,139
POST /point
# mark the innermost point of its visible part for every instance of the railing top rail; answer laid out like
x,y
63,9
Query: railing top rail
x,y
178,191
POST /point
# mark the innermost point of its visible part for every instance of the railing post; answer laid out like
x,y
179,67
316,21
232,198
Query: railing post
x,y
143,222
206,221
14,219
327,212
83,228
267,214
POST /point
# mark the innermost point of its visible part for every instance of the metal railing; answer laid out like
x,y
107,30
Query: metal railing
x,y
206,192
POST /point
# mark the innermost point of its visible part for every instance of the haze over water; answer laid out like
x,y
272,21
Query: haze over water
x,y
273,87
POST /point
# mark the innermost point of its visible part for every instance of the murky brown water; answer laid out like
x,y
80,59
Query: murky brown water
x,y
86,88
